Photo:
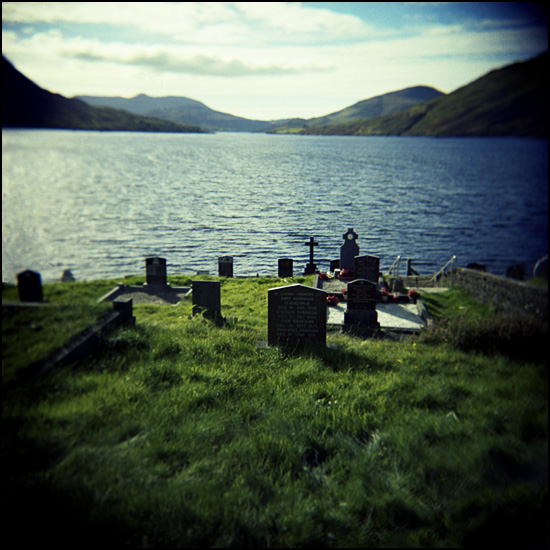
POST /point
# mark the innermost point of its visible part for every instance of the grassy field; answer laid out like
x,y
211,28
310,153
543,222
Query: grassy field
x,y
183,432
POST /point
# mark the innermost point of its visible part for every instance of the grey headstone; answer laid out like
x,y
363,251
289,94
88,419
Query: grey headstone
x,y
286,267
367,267
349,250
155,271
206,295
225,266
297,314
29,284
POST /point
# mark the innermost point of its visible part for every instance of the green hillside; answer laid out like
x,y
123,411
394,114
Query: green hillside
x,y
512,101
385,104
26,105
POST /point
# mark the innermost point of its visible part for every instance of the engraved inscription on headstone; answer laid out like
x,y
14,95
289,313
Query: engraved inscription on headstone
x,y
286,267
367,267
297,314
349,250
225,266
206,295
155,271
29,284
361,295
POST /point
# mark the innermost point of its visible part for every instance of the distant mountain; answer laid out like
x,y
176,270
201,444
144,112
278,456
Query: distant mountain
x,y
181,110
386,104
26,105
512,101
190,111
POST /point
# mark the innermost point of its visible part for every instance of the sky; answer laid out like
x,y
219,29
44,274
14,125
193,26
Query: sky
x,y
266,60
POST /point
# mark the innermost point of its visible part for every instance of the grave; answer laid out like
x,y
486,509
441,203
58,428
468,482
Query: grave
x,y
206,296
155,271
361,317
29,284
311,267
155,291
286,267
367,267
225,266
349,250
297,315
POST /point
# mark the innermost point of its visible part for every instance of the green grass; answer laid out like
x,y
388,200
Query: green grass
x,y
183,432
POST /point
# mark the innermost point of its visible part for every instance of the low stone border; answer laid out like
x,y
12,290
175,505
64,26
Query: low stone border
x,y
82,345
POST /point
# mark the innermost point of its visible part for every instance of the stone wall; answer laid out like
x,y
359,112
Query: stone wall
x,y
507,295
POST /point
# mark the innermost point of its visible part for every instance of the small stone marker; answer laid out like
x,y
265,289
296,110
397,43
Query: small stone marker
x,y
334,265
225,266
311,267
297,314
155,271
367,267
29,284
349,250
361,317
286,267
206,295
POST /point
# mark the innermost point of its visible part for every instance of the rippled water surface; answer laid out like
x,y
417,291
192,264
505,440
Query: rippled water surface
x,y
99,203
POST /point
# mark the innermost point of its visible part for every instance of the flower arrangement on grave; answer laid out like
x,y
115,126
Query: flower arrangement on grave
x,y
323,276
413,295
344,293
346,273
332,300
385,294
396,296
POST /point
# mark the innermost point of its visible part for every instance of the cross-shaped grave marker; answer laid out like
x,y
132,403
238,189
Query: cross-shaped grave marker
x,y
311,267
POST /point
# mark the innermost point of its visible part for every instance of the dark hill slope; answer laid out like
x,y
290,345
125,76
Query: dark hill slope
x,y
512,101
26,105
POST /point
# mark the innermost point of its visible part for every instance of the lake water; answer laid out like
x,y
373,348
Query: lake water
x,y
99,203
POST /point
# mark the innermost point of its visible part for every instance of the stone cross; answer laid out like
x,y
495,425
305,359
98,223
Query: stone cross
x,y
311,267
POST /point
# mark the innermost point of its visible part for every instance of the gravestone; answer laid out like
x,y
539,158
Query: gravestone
x,y
206,295
29,284
334,265
367,267
349,250
361,317
297,314
225,266
311,267
286,267
155,271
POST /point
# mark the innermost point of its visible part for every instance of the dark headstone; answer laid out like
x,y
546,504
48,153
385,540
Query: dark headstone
x,y
311,267
225,266
540,271
286,267
367,267
206,295
29,284
297,314
361,317
477,267
516,272
349,250
67,276
334,265
362,295
155,271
